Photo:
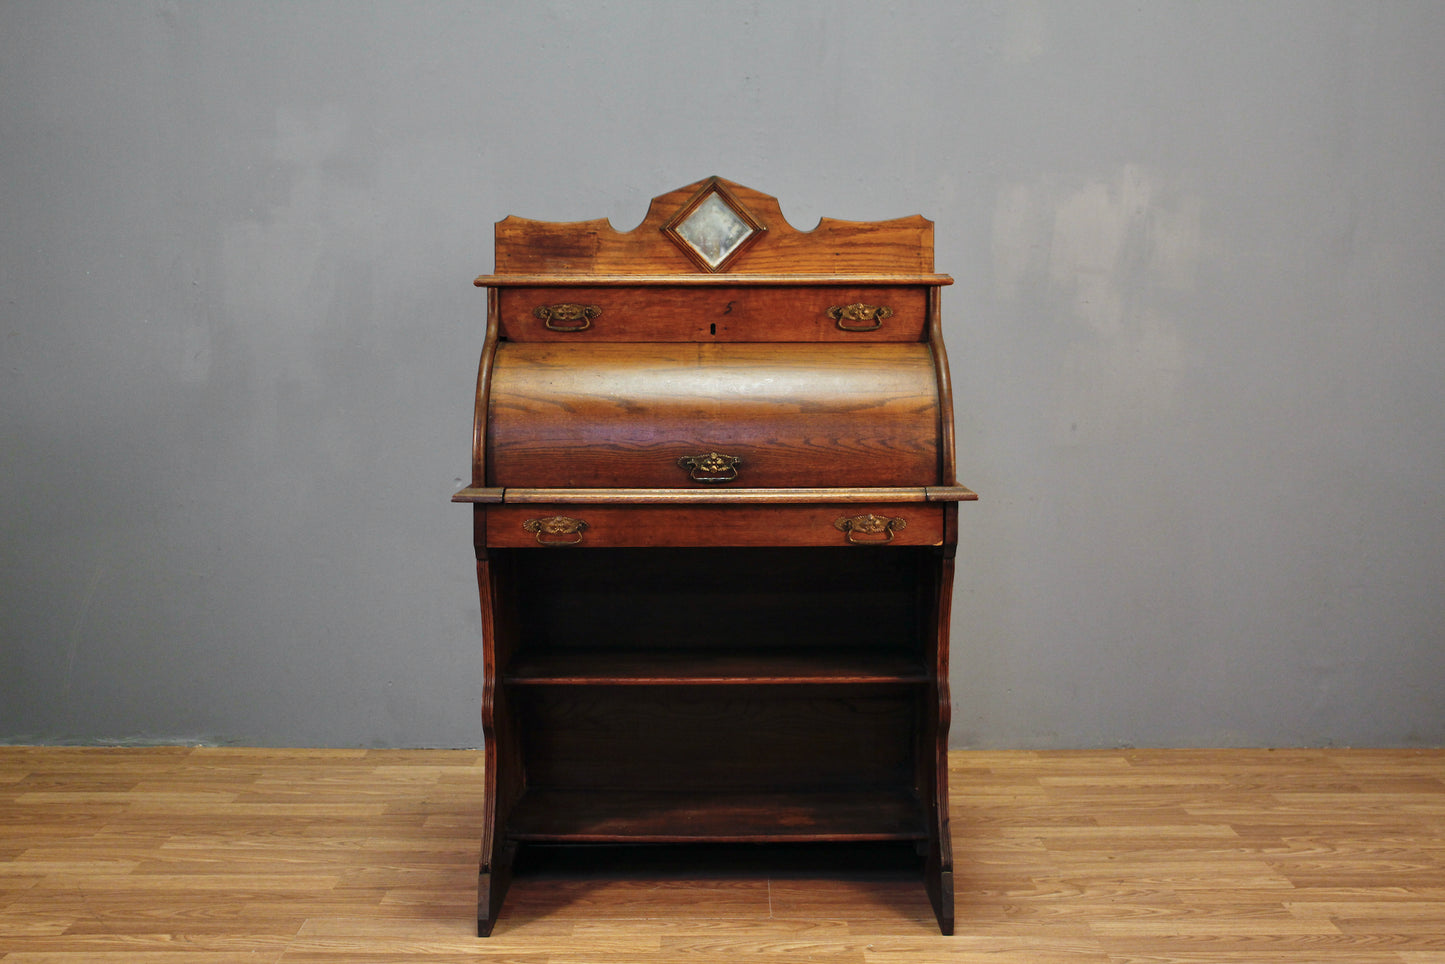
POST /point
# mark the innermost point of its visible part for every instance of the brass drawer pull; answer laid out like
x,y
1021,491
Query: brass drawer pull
x,y
861,317
556,528
712,467
870,525
567,317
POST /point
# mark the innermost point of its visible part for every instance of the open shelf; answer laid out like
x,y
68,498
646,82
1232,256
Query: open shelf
x,y
722,605
662,816
717,738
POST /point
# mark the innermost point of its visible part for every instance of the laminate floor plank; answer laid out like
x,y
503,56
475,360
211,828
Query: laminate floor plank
x,y
183,855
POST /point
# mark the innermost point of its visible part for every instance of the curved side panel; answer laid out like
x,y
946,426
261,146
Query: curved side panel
x,y
947,466
484,393
503,777
938,861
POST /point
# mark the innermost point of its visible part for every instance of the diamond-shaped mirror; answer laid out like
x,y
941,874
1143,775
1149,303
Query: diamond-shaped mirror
x,y
713,227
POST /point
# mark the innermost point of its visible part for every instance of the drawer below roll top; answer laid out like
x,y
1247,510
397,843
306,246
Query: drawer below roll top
x,y
561,526
677,414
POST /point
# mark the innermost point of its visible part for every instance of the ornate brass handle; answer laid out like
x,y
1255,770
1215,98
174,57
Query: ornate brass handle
x,y
870,525
556,529
861,317
712,467
566,317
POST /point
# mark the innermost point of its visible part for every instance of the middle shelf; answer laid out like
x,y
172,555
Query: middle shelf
x,y
696,666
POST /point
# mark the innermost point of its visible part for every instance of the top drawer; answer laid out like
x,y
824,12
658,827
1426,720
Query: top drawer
x,y
721,313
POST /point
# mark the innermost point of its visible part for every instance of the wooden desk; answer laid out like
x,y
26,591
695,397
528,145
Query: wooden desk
x,y
715,522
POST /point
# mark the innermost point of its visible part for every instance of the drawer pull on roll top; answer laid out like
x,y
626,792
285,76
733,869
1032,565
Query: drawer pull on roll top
x,y
567,317
559,530
872,526
860,317
712,467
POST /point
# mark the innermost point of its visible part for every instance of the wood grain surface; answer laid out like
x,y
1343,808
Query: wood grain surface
x,y
212,856
616,414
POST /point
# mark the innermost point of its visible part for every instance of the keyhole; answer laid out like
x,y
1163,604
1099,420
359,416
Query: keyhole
x,y
712,329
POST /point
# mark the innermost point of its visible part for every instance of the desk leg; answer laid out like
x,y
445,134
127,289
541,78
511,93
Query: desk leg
x,y
492,883
938,862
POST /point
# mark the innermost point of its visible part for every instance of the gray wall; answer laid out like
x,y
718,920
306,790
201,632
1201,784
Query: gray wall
x,y
1196,337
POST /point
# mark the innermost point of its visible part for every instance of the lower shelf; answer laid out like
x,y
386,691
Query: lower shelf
x,y
632,816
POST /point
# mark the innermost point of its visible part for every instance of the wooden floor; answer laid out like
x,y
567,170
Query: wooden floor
x,y
212,856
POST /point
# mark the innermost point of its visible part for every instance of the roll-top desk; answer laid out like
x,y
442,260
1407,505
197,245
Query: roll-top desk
x,y
715,517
